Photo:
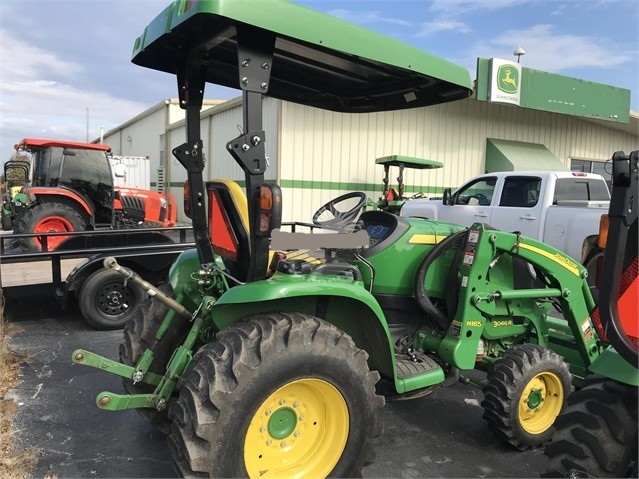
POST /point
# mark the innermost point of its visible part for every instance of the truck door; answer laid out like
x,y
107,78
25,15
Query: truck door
x,y
471,203
520,206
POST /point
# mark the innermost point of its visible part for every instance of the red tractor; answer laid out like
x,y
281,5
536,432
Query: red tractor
x,y
72,189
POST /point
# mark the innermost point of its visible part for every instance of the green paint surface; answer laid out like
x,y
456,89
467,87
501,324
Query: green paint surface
x,y
561,94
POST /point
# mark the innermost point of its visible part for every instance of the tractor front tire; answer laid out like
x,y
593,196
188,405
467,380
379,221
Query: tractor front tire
x,y
597,433
139,335
106,302
281,394
48,218
525,393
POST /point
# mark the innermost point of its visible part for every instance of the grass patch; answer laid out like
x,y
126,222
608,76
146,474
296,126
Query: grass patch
x,y
14,463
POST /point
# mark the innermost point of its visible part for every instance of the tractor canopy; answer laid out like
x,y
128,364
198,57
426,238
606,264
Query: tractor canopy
x,y
35,143
318,60
409,162
279,49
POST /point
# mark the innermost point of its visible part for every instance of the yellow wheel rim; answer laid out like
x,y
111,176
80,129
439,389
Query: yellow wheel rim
x,y
298,431
541,402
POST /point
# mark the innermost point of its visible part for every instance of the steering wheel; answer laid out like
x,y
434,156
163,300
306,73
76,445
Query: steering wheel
x,y
483,201
332,217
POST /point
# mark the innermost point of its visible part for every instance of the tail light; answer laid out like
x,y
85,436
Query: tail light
x,y
603,231
270,209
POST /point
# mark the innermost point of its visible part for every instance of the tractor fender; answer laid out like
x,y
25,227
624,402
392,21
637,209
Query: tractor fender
x,y
337,300
38,191
184,267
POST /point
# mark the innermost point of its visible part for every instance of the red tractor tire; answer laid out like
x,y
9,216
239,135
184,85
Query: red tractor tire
x,y
48,218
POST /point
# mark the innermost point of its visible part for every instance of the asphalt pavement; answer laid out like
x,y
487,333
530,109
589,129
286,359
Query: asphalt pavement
x,y
440,435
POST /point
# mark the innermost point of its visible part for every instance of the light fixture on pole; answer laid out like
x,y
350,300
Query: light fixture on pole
x,y
519,52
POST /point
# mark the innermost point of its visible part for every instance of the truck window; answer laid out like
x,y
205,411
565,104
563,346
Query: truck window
x,y
520,191
581,189
479,192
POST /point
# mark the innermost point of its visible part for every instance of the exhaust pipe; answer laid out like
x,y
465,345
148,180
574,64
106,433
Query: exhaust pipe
x,y
130,275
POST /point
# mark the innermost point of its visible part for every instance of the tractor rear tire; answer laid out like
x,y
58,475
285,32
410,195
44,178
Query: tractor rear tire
x,y
597,433
139,335
525,393
106,302
283,392
48,218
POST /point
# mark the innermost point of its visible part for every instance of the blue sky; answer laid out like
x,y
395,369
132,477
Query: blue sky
x,y
64,61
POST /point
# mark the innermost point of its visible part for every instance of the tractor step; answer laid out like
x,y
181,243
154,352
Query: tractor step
x,y
415,364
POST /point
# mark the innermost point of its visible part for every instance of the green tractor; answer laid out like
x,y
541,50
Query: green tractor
x,y
392,198
259,362
14,200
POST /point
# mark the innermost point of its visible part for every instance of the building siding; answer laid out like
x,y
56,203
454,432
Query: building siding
x,y
316,155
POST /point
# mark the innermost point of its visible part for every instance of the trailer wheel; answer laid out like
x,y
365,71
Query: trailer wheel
x,y
48,218
525,393
139,335
284,393
106,302
597,433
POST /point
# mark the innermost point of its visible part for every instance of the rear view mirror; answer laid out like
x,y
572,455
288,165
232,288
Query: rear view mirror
x,y
447,199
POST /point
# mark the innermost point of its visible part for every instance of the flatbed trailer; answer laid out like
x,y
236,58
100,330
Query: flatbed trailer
x,y
104,299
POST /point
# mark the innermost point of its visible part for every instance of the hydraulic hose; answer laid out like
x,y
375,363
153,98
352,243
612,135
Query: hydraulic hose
x,y
422,298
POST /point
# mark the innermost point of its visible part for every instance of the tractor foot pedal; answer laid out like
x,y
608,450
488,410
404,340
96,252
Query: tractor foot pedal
x,y
414,364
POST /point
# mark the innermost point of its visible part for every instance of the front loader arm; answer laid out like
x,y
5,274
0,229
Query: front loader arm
x,y
480,299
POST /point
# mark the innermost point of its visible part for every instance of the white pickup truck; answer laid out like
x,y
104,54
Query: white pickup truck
x,y
561,209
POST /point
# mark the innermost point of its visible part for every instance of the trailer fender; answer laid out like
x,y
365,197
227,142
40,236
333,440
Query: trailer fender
x,y
346,304
152,267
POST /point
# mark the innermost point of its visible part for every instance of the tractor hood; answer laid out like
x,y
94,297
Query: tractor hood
x,y
318,60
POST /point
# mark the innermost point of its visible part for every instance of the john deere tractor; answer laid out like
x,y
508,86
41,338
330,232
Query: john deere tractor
x,y
259,362
16,177
392,199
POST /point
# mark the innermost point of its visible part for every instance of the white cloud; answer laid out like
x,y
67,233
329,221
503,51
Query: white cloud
x,y
366,18
38,99
461,7
23,61
441,25
554,52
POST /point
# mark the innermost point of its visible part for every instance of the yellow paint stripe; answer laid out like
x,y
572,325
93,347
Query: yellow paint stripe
x,y
425,239
303,255
560,260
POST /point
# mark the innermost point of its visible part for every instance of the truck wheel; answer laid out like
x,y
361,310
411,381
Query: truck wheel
x,y
48,218
106,302
283,393
524,395
139,335
597,433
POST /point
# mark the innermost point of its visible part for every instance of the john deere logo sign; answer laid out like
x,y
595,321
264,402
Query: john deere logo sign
x,y
508,79
505,82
